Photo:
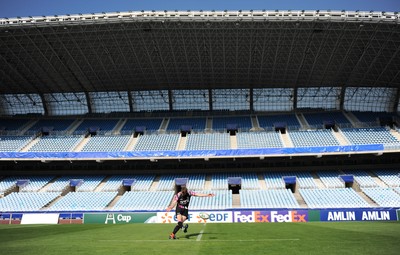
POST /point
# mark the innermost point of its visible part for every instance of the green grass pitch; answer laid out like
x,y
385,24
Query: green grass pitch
x,y
221,238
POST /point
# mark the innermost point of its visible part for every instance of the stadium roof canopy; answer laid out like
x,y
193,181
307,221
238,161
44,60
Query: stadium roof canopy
x,y
155,60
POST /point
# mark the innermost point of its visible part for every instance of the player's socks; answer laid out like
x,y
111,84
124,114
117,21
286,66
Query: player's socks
x,y
176,229
185,228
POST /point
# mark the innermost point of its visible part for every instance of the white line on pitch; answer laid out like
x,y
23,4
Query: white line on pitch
x,y
201,233
214,240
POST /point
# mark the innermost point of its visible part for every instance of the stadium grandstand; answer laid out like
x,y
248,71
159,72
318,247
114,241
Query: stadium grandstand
x,y
266,109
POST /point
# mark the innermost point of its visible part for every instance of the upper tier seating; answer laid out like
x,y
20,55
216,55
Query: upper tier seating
x,y
243,122
268,121
259,140
83,201
332,198
212,141
195,181
311,138
56,143
372,118
369,136
157,142
389,177
149,124
317,119
104,125
52,124
142,182
107,143
221,201
9,182
331,179
13,143
281,198
61,183
197,124
13,124
144,200
90,182
36,182
304,180
385,197
362,178
274,180
249,180
26,201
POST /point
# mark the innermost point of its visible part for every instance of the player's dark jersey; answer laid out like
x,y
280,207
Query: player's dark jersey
x,y
183,200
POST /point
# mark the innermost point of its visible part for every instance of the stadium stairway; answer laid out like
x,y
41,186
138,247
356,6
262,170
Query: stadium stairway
x,y
30,144
350,116
113,202
287,142
118,126
27,126
207,183
340,138
236,201
74,126
182,143
317,180
377,180
46,207
164,125
300,200
395,134
45,187
233,141
154,185
255,124
81,144
131,143
208,124
101,185
303,122
261,181
366,198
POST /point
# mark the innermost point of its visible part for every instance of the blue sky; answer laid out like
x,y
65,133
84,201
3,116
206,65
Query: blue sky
x,y
23,8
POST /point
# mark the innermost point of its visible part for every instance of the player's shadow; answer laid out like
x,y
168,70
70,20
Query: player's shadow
x,y
188,236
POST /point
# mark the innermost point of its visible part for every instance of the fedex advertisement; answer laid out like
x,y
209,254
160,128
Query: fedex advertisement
x,y
271,216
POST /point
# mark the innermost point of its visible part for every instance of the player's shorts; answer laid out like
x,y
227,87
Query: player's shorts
x,y
182,211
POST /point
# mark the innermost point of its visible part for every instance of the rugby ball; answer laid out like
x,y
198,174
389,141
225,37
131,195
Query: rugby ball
x,y
204,215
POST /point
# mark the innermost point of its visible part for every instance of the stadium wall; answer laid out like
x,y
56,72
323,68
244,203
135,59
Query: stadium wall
x,y
191,153
227,216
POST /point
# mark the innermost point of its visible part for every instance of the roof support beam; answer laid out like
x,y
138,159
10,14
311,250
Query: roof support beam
x,y
251,100
44,103
295,93
170,100
88,102
130,101
396,101
210,100
342,95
